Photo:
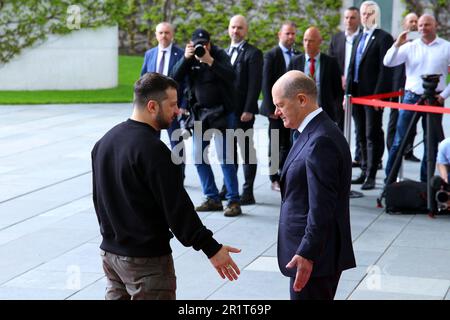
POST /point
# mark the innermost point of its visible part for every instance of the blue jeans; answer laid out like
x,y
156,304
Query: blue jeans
x,y
403,121
225,157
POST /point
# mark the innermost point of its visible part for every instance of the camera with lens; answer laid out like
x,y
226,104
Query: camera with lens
x,y
430,83
442,193
199,50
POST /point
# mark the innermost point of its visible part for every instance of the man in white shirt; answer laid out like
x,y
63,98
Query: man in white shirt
x,y
427,55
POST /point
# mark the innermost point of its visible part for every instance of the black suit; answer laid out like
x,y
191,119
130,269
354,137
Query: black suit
x,y
314,215
248,67
374,78
337,49
274,68
330,91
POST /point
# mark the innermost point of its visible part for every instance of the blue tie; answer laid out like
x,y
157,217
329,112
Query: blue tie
x,y
359,53
289,53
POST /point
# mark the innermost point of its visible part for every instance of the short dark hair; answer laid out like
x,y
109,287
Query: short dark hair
x,y
353,8
152,86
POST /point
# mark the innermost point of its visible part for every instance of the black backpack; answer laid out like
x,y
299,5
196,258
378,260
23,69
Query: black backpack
x,y
406,197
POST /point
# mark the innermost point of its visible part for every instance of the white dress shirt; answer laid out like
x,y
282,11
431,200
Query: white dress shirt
x,y
236,51
349,39
168,51
308,119
421,58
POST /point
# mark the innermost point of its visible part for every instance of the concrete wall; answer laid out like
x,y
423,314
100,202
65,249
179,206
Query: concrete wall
x,y
83,59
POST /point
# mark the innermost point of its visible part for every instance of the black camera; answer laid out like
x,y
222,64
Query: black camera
x,y
442,193
199,50
430,83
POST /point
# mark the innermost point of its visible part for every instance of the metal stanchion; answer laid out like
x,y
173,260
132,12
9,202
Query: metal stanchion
x,y
348,118
348,134
400,171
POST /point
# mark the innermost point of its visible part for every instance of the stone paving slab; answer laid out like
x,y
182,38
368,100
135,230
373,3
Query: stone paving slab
x,y
49,233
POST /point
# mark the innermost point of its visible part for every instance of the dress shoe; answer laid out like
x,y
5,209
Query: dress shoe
x,y
412,157
232,210
275,186
247,199
369,184
210,205
360,179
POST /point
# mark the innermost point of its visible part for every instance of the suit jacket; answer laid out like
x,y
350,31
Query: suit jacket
x,y
374,77
248,67
331,93
315,215
337,49
149,65
274,67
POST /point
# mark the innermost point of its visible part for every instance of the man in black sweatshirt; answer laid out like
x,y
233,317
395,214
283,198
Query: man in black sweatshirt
x,y
141,203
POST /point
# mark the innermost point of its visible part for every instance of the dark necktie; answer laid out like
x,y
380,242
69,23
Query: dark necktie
x,y
161,62
359,53
289,53
232,51
312,69
295,135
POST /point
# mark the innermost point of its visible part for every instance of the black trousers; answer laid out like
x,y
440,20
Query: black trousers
x,y
248,153
284,145
317,288
369,136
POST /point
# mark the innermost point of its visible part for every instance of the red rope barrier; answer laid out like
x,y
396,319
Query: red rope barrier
x,y
386,104
384,95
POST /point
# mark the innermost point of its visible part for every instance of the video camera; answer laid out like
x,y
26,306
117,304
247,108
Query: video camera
x,y
442,193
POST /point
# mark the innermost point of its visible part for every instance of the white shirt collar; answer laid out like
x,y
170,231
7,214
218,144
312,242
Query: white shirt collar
x,y
316,57
237,45
283,48
308,119
167,49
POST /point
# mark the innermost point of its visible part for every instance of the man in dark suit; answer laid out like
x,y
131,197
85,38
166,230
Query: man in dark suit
x,y
367,76
247,61
324,70
276,62
314,236
161,59
341,47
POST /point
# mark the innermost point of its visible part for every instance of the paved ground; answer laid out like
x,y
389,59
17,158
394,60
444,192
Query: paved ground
x,y
49,235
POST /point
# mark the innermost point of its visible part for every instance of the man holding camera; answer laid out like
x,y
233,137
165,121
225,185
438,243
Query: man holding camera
x,y
211,101
427,55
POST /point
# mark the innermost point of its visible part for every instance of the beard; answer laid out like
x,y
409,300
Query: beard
x,y
162,123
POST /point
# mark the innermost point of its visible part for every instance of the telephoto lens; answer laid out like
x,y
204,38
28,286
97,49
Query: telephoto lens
x,y
199,50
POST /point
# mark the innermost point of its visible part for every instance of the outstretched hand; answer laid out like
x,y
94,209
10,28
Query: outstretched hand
x,y
224,264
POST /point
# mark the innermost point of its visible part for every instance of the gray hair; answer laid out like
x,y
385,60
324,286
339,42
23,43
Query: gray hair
x,y
377,11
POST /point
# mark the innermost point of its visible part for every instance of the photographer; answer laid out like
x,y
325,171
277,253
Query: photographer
x,y
211,92
427,55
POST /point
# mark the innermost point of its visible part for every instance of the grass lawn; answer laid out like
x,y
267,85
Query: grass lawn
x,y
129,70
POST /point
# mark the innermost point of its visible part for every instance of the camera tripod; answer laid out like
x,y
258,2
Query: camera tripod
x,y
434,134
